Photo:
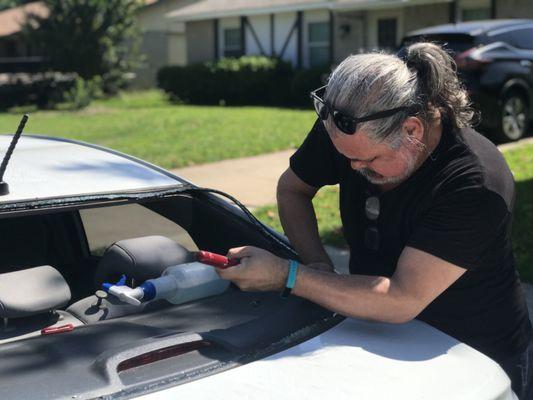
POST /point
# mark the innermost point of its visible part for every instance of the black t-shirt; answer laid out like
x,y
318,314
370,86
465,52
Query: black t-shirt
x,y
457,206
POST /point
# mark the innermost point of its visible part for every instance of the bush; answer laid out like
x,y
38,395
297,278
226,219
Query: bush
x,y
45,90
83,92
306,80
248,80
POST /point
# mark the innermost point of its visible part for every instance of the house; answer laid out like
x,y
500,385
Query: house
x,y
15,53
163,40
312,33
305,32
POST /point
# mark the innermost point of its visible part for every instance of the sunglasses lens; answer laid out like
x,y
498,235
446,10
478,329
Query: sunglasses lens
x,y
372,208
345,124
372,238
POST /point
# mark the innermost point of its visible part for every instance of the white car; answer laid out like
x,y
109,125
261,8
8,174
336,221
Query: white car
x,y
79,215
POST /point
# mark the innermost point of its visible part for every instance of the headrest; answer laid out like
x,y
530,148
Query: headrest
x,y
32,291
140,258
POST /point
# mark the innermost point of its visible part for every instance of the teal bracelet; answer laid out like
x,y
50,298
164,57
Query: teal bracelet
x,y
291,278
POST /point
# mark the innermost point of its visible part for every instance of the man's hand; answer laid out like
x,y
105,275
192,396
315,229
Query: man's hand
x,y
258,270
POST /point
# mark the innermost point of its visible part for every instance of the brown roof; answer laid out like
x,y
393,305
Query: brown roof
x,y
13,19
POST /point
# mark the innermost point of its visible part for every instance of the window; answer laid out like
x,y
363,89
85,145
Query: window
x,y
521,38
106,225
524,38
232,42
474,14
387,33
318,42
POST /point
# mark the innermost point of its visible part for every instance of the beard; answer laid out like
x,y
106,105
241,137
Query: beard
x,y
378,179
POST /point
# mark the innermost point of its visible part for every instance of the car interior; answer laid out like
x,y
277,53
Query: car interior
x,y
52,268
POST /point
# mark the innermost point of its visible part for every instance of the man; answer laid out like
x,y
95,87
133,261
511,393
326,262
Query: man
x,y
426,205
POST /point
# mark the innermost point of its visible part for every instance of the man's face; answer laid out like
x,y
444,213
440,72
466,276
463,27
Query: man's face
x,y
377,162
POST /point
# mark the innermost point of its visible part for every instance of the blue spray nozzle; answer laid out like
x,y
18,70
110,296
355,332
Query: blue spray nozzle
x,y
122,282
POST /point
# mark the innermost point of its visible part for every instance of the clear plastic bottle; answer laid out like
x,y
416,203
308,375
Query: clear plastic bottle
x,y
177,284
187,282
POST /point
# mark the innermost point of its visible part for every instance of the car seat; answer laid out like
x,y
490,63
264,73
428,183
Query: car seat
x,y
30,300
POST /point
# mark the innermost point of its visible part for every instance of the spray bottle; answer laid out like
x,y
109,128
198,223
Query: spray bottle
x,y
178,283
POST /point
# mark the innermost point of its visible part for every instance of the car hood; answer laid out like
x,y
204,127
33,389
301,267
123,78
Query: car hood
x,y
360,360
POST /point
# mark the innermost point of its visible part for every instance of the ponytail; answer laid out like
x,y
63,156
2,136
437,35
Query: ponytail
x,y
438,85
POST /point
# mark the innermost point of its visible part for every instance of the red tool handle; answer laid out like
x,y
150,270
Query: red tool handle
x,y
57,329
215,260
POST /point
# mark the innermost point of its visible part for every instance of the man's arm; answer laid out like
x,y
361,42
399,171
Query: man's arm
x,y
298,218
418,280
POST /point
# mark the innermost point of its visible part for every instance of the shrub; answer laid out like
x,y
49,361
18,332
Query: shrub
x,y
45,90
83,92
248,80
306,80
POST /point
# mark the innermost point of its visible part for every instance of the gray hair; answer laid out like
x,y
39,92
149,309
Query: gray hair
x,y
424,78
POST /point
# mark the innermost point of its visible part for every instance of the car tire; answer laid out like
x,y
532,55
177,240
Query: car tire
x,y
513,121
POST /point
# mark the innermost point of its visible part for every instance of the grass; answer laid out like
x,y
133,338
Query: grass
x,y
326,204
146,125
520,161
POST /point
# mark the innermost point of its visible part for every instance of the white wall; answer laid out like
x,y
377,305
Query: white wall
x,y
163,42
177,49
261,26
282,26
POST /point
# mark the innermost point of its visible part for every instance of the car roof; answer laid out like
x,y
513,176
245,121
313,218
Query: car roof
x,y
43,167
473,28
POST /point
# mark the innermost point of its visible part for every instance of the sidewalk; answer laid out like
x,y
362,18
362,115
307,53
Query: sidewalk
x,y
252,180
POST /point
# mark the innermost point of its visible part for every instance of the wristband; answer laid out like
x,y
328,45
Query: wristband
x,y
291,278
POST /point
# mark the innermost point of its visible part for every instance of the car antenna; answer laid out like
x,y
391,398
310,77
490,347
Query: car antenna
x,y
4,187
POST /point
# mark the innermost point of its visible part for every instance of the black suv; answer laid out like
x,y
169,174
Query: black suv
x,y
495,60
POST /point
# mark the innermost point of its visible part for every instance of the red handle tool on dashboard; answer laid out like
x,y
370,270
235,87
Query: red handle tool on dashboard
x,y
215,260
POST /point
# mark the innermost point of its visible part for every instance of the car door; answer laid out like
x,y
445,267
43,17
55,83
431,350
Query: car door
x,y
519,63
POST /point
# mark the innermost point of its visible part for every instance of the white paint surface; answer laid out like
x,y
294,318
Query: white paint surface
x,y
41,168
360,360
283,24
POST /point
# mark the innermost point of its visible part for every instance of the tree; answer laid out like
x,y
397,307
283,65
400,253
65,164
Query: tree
x,y
94,38
4,4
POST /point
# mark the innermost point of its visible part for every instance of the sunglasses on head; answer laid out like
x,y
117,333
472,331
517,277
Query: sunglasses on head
x,y
345,123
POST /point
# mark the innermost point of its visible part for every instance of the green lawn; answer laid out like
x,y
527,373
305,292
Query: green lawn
x,y
146,125
521,162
